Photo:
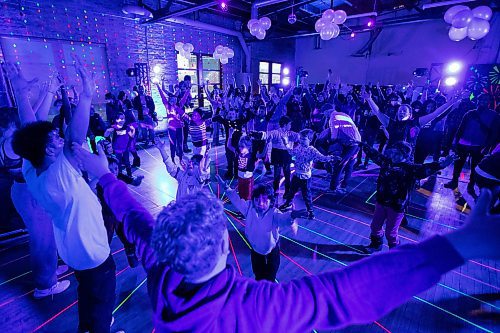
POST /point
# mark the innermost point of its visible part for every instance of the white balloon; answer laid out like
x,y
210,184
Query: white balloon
x,y
478,28
219,49
327,32
186,47
450,13
190,47
457,34
336,30
340,17
178,46
265,22
261,34
482,12
319,25
328,15
217,55
224,61
251,22
225,50
255,28
230,53
462,18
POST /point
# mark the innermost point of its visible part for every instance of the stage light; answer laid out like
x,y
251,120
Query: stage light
x,y
450,81
156,80
286,81
223,5
454,67
370,23
286,71
353,34
157,69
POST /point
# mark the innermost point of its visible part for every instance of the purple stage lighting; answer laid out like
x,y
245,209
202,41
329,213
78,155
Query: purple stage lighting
x,y
286,81
286,71
370,23
353,34
454,67
450,81
223,5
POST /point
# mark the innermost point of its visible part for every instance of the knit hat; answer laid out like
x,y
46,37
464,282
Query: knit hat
x,y
488,171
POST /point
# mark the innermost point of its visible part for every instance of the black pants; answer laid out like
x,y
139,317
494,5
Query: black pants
x,y
265,267
175,137
96,297
369,139
281,159
345,166
428,143
304,185
232,163
475,157
124,162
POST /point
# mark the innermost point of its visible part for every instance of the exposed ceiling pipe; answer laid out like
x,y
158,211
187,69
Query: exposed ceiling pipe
x,y
162,13
260,4
444,3
214,28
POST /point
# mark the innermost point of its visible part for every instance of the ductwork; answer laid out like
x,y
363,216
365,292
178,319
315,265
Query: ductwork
x,y
261,4
214,28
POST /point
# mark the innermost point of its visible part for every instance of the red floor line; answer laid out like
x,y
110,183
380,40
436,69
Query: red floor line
x,y
414,241
404,237
234,255
54,317
309,273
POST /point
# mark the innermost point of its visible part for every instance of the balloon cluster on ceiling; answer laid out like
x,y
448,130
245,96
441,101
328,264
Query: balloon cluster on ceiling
x,y
223,53
328,24
259,27
184,50
468,23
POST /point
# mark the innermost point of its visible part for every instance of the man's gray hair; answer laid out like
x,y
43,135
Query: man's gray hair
x,y
189,233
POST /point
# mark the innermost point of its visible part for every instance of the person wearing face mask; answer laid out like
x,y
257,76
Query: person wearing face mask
x,y
263,223
193,175
395,181
478,134
404,127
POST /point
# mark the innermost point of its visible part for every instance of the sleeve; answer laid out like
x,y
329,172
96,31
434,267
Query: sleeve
x,y
318,156
281,219
137,221
172,168
240,204
358,294
421,171
377,157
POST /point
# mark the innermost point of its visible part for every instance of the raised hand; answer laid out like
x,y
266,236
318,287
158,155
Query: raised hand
x,y
19,83
87,79
366,94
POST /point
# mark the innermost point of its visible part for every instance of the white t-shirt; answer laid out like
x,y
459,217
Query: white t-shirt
x,y
79,230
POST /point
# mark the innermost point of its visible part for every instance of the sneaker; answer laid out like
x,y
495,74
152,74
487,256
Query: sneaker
x,y
137,180
391,246
187,150
132,259
58,288
310,215
61,269
286,206
451,185
374,246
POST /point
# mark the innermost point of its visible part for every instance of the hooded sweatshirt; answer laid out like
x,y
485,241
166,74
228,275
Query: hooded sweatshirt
x,y
232,303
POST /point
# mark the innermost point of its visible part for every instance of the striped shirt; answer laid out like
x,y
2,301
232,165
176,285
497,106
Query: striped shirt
x,y
198,134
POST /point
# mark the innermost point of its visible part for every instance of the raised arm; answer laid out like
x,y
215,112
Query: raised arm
x,y
172,168
77,127
21,88
43,110
240,204
163,96
439,111
384,119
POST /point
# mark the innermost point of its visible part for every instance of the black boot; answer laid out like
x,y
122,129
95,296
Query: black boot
x,y
137,161
375,245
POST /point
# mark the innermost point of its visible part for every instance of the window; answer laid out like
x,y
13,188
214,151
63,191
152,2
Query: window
x,y
201,68
269,73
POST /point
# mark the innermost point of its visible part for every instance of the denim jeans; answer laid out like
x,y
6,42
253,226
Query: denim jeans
x,y
43,251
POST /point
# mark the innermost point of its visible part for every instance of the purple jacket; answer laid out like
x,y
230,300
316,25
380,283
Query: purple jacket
x,y
358,294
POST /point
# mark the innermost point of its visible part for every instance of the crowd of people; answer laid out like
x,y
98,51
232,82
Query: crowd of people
x,y
68,184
